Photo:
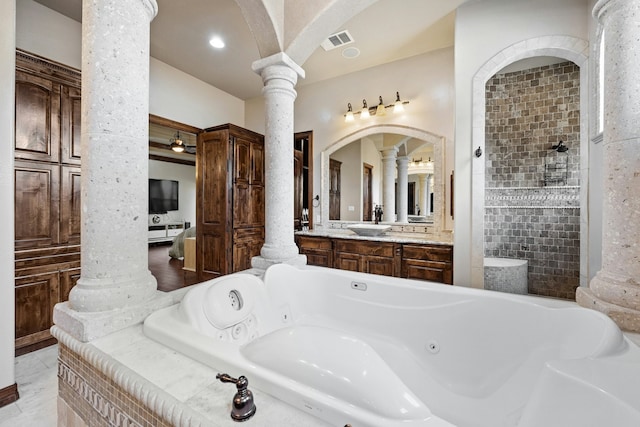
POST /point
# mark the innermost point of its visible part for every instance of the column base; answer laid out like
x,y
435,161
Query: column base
x,y
262,263
627,319
87,326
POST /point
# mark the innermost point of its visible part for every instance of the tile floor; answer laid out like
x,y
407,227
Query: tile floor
x,y
36,375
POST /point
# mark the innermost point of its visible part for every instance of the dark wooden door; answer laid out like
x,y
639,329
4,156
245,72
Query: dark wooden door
x,y
214,184
334,189
411,198
70,206
367,203
298,184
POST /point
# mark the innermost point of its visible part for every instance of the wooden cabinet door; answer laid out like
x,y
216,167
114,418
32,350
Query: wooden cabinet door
x,y
242,161
247,243
35,296
257,163
347,261
68,279
70,206
319,250
37,204
70,125
377,265
37,118
428,262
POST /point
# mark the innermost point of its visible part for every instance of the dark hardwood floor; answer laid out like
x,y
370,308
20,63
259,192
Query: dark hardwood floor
x,y
168,271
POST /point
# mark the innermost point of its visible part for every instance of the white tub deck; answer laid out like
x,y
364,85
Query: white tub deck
x,y
448,356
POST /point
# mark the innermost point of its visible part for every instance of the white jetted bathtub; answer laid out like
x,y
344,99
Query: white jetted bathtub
x,y
379,351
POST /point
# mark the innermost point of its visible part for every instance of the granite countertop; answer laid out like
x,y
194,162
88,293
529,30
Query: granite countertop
x,y
390,236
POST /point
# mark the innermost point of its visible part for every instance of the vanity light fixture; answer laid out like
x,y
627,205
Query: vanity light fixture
x,y
381,109
349,116
177,144
364,114
397,106
378,110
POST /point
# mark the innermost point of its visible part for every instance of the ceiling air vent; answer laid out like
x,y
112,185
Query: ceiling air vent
x,y
337,40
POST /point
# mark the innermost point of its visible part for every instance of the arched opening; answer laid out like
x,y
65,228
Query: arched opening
x,y
568,49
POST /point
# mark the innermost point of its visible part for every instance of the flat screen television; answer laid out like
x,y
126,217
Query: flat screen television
x,y
163,196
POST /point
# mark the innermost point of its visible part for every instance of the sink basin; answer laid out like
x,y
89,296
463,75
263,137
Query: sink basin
x,y
369,229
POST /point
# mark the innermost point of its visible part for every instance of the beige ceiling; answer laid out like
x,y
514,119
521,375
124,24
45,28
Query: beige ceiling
x,y
387,31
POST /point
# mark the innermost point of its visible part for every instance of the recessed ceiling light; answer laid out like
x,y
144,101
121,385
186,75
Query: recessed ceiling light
x,y
216,42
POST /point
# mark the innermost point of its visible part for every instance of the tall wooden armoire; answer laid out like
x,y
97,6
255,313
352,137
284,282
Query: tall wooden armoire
x,y
47,194
229,199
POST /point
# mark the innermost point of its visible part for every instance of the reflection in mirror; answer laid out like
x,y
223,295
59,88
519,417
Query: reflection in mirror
x,y
355,168
356,178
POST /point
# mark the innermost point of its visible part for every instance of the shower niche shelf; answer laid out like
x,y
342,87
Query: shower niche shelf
x,y
556,167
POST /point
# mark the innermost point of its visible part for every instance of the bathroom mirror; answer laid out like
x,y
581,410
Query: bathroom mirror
x,y
352,176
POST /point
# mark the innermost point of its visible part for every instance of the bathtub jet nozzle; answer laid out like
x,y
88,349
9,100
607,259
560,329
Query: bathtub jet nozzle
x,y
243,406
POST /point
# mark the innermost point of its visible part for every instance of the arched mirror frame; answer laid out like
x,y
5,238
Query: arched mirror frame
x,y
438,142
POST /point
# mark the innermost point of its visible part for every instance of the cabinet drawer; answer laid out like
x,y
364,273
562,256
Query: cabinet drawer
x,y
427,270
428,253
364,248
314,243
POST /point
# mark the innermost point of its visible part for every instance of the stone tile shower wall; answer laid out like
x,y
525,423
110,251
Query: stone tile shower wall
x,y
527,217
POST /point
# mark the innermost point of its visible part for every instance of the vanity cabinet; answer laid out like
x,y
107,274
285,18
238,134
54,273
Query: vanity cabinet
x,y
46,194
428,262
422,261
367,257
319,250
229,200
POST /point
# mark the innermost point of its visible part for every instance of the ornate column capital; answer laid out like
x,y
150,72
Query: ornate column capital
x,y
278,66
389,153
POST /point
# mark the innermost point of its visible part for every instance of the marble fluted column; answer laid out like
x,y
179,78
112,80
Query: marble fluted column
x,y
615,290
279,74
403,188
424,192
115,156
388,184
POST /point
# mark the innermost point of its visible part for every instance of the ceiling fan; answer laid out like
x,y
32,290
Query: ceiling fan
x,y
179,146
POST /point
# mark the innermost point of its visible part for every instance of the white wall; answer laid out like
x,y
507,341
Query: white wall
x,y
425,80
483,29
7,109
186,176
47,33
178,96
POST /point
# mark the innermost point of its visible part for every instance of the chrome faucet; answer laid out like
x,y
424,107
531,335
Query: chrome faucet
x,y
377,213
243,406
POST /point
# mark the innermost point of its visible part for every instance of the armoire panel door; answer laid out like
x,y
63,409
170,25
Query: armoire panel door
x,y
70,130
37,131
37,204
36,296
257,164
70,206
